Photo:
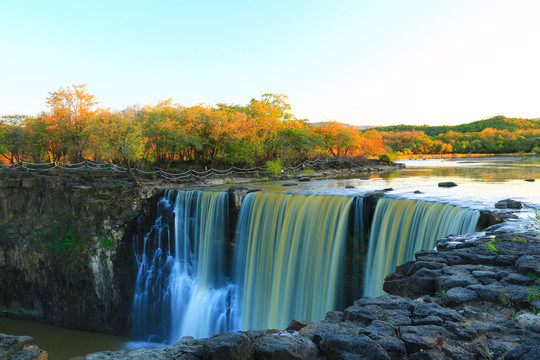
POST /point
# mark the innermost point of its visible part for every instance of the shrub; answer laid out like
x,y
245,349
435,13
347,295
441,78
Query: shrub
x,y
387,158
273,167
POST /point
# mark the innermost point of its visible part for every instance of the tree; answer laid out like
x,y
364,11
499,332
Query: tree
x,y
118,137
69,112
338,138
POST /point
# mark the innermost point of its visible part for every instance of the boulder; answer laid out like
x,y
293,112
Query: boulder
x,y
529,180
19,348
237,193
508,204
447,184
228,346
282,346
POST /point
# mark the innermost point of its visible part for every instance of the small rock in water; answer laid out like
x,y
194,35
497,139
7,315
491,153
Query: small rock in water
x,y
529,180
289,184
508,204
349,187
303,179
418,192
387,189
447,184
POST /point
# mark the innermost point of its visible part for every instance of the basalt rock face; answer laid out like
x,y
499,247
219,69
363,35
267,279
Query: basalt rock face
x,y
480,305
20,348
66,248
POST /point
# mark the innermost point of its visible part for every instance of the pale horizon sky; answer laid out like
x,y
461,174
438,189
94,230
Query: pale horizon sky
x,y
377,62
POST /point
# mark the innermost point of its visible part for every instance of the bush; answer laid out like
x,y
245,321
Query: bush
x,y
273,167
387,158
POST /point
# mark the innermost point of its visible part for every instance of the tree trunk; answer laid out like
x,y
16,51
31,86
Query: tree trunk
x,y
131,175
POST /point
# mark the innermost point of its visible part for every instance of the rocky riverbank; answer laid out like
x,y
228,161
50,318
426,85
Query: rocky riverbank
x,y
474,298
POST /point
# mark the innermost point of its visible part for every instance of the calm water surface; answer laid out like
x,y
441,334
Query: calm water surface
x,y
481,183
60,343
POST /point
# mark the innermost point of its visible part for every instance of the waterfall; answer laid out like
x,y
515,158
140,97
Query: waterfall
x,y
288,257
182,286
400,228
293,257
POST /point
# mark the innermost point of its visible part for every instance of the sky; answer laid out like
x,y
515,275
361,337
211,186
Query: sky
x,y
378,62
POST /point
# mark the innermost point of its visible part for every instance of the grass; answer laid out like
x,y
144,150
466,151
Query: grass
x,y
519,239
307,171
505,300
535,219
532,295
441,293
491,245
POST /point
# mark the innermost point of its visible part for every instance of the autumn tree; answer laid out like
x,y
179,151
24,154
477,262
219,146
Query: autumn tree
x,y
69,112
117,137
338,139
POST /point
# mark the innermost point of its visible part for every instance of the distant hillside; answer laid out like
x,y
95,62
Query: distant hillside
x,y
358,127
498,122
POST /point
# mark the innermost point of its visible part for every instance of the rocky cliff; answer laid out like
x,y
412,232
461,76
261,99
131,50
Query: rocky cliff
x,y
470,300
66,248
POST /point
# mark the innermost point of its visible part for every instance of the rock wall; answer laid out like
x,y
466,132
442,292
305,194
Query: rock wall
x,y
66,248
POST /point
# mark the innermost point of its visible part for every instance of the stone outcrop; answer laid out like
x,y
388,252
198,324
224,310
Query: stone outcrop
x,y
447,184
473,299
66,248
20,348
508,204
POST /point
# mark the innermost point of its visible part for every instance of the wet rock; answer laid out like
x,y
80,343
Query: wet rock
x,y
447,184
419,338
432,309
418,192
237,193
289,184
429,320
374,194
284,346
304,179
333,316
297,325
349,187
458,295
336,346
508,204
527,319
228,346
528,264
524,352
387,189
529,180
19,348
379,329
365,314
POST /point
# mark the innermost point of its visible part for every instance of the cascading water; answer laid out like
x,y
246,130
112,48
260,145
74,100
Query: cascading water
x,y
400,228
288,257
295,257
182,287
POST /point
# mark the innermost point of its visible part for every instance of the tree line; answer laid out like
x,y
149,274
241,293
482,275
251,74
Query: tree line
x,y
169,135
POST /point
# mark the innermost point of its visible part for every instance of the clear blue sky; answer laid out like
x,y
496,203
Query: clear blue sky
x,y
361,62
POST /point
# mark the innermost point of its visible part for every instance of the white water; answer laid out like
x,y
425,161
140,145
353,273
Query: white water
x,y
182,287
